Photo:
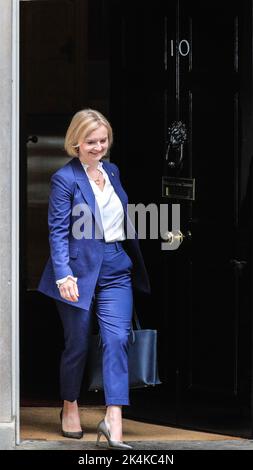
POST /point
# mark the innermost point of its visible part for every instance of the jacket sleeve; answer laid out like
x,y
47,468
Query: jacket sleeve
x,y
59,221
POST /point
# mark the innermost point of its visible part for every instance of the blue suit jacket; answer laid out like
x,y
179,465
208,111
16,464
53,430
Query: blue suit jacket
x,y
82,257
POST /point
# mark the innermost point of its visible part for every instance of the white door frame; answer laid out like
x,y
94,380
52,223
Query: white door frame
x,y
15,218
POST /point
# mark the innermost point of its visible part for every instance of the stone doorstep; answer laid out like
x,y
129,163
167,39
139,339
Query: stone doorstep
x,y
237,444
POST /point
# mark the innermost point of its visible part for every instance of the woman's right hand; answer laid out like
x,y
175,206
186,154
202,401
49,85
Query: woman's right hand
x,y
69,290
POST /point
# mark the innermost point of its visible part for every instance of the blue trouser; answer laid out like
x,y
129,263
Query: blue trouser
x,y
113,306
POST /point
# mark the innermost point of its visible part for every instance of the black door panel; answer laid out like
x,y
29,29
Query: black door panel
x,y
194,72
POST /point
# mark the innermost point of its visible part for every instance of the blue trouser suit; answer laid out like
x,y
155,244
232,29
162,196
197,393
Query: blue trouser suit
x,y
113,306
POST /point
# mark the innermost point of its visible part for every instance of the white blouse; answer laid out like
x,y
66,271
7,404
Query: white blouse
x,y
111,211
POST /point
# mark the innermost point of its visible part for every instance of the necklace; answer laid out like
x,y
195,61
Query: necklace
x,y
97,180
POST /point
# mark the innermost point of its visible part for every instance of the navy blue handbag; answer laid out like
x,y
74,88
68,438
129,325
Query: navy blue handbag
x,y
143,369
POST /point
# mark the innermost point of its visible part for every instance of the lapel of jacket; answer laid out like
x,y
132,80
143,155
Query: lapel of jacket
x,y
116,184
128,225
86,190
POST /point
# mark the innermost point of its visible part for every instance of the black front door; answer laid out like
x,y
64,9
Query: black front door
x,y
186,65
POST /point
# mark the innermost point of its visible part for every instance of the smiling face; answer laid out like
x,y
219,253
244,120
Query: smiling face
x,y
94,146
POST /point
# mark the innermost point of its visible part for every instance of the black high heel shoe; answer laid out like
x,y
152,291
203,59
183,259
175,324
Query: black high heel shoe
x,y
72,435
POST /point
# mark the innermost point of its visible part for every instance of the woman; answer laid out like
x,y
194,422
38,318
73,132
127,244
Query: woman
x,y
89,268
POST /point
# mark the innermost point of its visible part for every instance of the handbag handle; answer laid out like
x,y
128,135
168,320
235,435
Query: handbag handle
x,y
136,319
138,326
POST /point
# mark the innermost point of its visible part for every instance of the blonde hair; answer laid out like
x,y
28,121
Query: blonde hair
x,y
81,125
